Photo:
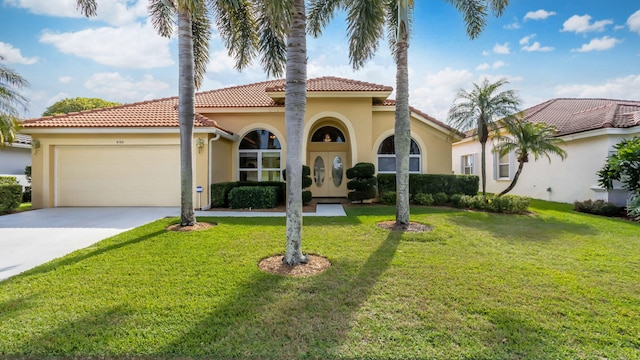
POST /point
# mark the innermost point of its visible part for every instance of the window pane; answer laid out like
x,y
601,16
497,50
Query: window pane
x,y
248,175
248,160
414,149
318,171
260,140
503,171
387,147
386,163
328,134
414,164
271,160
270,175
337,171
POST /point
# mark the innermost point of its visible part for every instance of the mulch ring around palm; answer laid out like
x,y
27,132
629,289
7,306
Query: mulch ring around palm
x,y
274,265
410,227
195,227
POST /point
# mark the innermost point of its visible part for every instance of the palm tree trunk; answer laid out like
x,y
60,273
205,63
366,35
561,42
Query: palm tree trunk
x,y
295,107
515,179
186,114
402,130
483,162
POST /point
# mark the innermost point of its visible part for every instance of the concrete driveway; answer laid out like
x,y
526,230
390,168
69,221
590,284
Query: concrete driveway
x,y
31,238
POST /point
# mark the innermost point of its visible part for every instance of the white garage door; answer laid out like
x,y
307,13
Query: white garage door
x,y
117,175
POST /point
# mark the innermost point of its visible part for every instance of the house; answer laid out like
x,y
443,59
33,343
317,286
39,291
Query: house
x,y
15,157
128,155
590,128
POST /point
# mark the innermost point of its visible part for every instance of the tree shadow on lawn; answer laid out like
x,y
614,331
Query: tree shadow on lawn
x,y
520,227
276,317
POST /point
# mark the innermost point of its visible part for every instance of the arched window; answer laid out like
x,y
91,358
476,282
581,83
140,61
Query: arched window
x,y
259,157
387,157
328,134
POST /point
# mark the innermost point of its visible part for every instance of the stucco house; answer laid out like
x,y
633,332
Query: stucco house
x,y
590,128
128,155
14,157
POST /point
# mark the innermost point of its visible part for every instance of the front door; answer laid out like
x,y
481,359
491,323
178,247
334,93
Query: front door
x,y
328,174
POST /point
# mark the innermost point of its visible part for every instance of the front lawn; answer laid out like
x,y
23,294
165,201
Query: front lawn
x,y
551,285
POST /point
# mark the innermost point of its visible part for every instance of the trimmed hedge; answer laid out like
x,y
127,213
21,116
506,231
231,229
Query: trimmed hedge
x,y
306,182
432,184
598,207
8,180
256,197
362,182
220,191
10,197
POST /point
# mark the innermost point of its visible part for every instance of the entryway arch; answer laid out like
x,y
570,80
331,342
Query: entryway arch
x,y
328,156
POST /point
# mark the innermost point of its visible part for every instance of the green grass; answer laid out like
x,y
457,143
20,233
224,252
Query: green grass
x,y
551,285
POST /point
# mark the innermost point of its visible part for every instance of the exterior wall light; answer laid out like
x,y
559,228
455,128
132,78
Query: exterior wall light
x,y
200,144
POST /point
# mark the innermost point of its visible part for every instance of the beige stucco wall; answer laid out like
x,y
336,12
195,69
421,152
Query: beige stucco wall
x,y
561,181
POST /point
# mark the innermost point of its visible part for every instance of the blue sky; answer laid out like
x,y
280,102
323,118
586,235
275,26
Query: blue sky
x,y
545,48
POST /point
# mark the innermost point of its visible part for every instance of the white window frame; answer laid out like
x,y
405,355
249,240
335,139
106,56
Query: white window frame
x,y
464,167
393,156
259,168
498,162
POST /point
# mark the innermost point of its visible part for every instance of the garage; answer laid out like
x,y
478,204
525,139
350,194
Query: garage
x,y
131,175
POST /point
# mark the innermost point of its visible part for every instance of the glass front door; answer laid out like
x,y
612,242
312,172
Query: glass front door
x,y
328,174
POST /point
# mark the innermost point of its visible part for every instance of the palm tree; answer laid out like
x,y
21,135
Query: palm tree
x,y
234,20
10,84
366,20
528,138
477,110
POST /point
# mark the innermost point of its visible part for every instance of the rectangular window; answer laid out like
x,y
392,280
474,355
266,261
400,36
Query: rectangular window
x,y
387,164
504,167
259,165
468,164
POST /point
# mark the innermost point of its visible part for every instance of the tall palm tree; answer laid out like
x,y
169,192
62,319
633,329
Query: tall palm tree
x,y
527,138
366,20
10,98
479,109
194,33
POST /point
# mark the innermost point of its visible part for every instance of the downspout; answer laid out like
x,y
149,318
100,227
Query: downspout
x,y
215,138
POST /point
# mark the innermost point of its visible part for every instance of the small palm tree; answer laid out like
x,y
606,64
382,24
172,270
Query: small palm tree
x,y
366,20
477,110
528,138
10,98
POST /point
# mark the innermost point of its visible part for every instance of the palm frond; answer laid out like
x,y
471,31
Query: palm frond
x,y
274,21
235,20
201,29
162,17
88,8
320,13
365,24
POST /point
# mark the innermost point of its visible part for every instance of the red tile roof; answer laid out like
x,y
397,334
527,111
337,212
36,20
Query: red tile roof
x,y
424,115
572,116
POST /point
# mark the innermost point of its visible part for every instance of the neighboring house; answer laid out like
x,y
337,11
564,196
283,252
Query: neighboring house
x,y
590,128
129,155
15,157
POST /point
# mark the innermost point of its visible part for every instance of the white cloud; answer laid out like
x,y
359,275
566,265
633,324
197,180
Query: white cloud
x,y
620,88
581,24
55,98
601,44
65,79
498,64
539,14
483,66
12,55
634,22
113,46
501,48
525,40
515,25
116,12
537,47
115,87
437,91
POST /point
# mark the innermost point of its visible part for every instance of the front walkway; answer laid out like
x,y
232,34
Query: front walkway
x,y
321,210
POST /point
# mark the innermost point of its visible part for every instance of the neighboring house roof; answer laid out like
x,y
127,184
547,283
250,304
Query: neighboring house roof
x,y
22,139
164,113
571,116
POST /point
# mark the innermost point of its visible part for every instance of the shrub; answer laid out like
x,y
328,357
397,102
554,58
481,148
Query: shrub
x,y
509,204
423,199
220,194
598,207
8,180
633,208
455,199
10,197
256,197
362,182
432,184
26,195
388,198
440,198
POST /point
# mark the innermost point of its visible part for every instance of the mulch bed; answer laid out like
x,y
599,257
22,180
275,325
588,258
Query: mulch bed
x,y
410,227
275,265
196,227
